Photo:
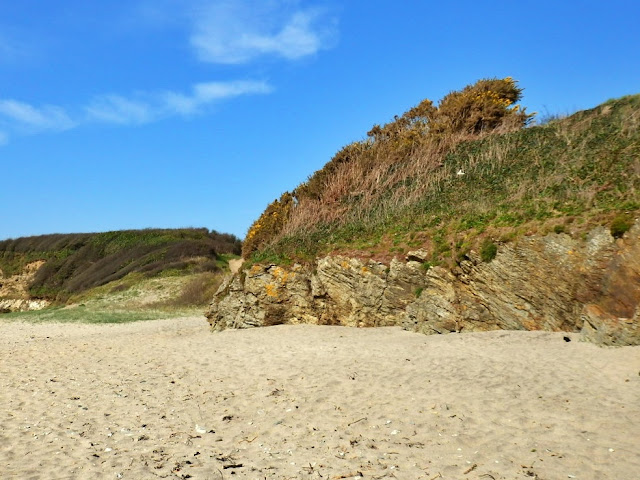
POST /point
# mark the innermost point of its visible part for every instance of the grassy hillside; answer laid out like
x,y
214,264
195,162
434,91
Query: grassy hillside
x,y
466,190
76,263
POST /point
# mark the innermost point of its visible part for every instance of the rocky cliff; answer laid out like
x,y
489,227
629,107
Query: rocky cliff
x,y
14,290
554,282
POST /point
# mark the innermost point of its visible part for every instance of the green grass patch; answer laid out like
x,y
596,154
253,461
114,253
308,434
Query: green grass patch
x,y
83,315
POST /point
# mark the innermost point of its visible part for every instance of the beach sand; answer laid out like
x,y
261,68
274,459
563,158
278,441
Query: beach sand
x,y
170,399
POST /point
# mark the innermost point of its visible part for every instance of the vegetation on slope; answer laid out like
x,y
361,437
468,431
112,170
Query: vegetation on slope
x,y
465,175
76,263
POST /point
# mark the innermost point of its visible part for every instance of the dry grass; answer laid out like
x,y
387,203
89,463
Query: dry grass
x,y
376,190
584,168
199,290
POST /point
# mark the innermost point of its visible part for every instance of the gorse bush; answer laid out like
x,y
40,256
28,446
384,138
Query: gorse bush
x,y
484,106
269,225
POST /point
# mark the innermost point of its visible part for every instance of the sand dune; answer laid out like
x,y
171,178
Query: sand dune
x,y
169,399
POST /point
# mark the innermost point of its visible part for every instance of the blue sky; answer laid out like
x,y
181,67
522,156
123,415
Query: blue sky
x,y
178,113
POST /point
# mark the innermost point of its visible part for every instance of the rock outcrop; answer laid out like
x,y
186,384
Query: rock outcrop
x,y
21,305
14,290
554,283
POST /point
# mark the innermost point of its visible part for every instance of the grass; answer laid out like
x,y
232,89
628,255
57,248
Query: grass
x,y
565,176
79,314
488,250
133,298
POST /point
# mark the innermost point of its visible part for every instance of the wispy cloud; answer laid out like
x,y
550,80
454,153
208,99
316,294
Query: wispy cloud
x,y
140,108
118,109
48,117
149,107
234,32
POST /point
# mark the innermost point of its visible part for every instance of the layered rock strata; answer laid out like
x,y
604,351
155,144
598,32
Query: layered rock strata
x,y
554,283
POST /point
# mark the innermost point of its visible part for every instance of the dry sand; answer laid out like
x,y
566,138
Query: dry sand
x,y
169,399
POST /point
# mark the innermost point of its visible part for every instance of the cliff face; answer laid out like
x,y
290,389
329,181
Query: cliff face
x,y
14,290
554,283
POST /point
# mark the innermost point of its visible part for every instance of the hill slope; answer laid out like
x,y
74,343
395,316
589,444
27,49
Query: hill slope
x,y
60,265
380,198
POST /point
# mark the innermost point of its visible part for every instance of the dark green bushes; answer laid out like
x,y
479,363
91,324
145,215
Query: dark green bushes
x,y
77,262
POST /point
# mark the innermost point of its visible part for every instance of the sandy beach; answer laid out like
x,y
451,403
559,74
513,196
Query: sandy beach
x,y
170,399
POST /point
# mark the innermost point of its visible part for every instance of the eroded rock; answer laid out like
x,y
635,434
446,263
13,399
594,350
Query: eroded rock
x,y
553,283
14,290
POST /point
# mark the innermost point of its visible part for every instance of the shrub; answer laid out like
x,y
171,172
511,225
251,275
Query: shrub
x,y
488,250
269,225
481,107
76,262
404,155
620,225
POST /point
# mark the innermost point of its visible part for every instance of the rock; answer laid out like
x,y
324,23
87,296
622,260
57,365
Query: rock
x,y
8,305
603,328
14,290
418,256
553,283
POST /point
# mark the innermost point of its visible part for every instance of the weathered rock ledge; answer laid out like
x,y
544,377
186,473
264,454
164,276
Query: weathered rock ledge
x,y
554,283
21,305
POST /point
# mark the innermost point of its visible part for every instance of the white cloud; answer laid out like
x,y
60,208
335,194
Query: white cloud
x,y
149,107
117,109
141,108
208,92
234,32
27,116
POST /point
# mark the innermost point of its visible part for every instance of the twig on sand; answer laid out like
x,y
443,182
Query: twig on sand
x,y
470,469
359,420
439,475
